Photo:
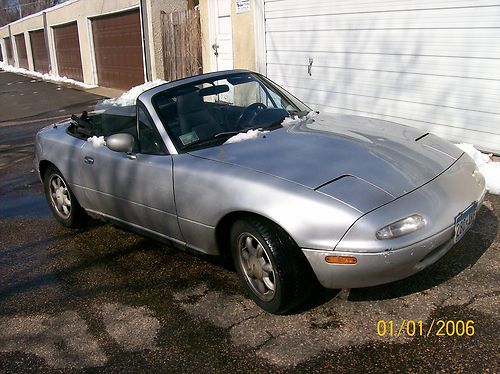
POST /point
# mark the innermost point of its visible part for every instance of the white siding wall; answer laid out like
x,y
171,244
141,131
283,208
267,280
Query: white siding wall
x,y
434,65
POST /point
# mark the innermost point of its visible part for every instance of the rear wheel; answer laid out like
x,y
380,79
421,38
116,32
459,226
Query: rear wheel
x,y
270,265
62,202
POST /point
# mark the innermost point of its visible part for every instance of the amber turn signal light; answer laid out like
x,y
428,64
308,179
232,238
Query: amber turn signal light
x,y
344,260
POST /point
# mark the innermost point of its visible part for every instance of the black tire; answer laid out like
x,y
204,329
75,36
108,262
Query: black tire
x,y
70,216
290,274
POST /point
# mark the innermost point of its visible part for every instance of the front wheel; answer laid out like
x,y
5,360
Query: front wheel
x,y
62,202
270,265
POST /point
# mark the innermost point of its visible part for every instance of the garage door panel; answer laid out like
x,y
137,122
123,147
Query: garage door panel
x,y
431,64
447,91
301,8
441,65
21,51
404,82
69,61
39,51
475,43
8,51
118,50
485,122
455,18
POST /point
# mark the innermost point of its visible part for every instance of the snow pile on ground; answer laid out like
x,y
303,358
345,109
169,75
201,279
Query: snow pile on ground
x,y
129,97
97,141
292,120
45,77
487,167
249,135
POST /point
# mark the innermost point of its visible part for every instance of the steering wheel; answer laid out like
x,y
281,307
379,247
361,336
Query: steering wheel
x,y
249,114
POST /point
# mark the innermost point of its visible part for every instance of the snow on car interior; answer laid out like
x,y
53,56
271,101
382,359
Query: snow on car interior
x,y
229,163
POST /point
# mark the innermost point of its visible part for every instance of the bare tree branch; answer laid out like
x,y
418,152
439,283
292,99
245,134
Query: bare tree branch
x,y
8,12
11,10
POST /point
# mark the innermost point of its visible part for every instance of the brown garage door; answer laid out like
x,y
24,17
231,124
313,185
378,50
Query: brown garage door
x,y
1,54
8,51
69,60
21,51
118,50
39,50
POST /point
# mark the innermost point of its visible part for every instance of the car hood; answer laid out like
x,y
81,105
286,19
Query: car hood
x,y
314,152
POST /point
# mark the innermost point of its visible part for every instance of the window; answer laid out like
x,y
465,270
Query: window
x,y
149,140
207,111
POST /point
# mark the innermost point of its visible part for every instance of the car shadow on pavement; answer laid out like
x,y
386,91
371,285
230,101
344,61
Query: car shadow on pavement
x,y
30,248
129,263
460,257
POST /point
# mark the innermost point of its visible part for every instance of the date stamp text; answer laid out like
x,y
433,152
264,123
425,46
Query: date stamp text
x,y
436,327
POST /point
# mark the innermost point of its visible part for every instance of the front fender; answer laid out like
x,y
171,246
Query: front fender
x,y
438,202
207,190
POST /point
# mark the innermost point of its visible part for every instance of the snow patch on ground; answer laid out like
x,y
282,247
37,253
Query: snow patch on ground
x,y
292,120
45,77
491,172
249,135
130,97
487,167
97,141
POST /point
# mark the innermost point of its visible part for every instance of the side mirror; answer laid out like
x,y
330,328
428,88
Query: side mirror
x,y
120,142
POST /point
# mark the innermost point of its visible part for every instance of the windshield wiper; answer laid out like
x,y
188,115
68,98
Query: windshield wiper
x,y
299,114
228,134
198,142
225,134
236,132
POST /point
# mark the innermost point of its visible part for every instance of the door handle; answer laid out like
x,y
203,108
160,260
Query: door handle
x,y
215,47
88,160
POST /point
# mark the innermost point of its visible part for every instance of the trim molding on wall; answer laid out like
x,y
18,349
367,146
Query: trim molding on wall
x,y
47,42
260,36
212,32
52,49
146,52
90,37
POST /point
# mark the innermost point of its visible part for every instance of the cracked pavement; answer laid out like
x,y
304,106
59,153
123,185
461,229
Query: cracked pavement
x,y
104,299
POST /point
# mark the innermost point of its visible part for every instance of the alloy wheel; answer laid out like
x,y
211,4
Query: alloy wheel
x,y
256,266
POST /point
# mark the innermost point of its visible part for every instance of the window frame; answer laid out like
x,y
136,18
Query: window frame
x,y
164,151
262,79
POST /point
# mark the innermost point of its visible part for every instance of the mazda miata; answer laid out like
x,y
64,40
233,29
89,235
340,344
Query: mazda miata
x,y
229,163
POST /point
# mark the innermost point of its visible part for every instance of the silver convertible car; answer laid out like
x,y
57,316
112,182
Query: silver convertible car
x,y
229,163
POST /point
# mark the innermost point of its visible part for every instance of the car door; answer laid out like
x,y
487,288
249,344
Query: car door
x,y
134,188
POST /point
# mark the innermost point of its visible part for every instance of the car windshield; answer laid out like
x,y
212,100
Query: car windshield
x,y
206,113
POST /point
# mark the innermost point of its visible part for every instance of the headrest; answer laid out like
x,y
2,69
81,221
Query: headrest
x,y
214,90
190,102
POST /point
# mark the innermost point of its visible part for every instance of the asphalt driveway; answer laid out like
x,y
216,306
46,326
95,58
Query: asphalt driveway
x,y
102,298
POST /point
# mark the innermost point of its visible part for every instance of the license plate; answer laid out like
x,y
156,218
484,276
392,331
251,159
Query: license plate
x,y
464,221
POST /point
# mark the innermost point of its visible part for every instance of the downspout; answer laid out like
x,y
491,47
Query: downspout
x,y
146,53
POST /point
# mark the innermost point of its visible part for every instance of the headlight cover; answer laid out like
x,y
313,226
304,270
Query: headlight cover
x,y
402,227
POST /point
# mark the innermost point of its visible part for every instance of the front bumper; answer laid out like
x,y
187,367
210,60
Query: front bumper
x,y
384,261
380,267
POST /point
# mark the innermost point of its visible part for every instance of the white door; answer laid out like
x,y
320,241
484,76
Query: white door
x,y
434,65
221,35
